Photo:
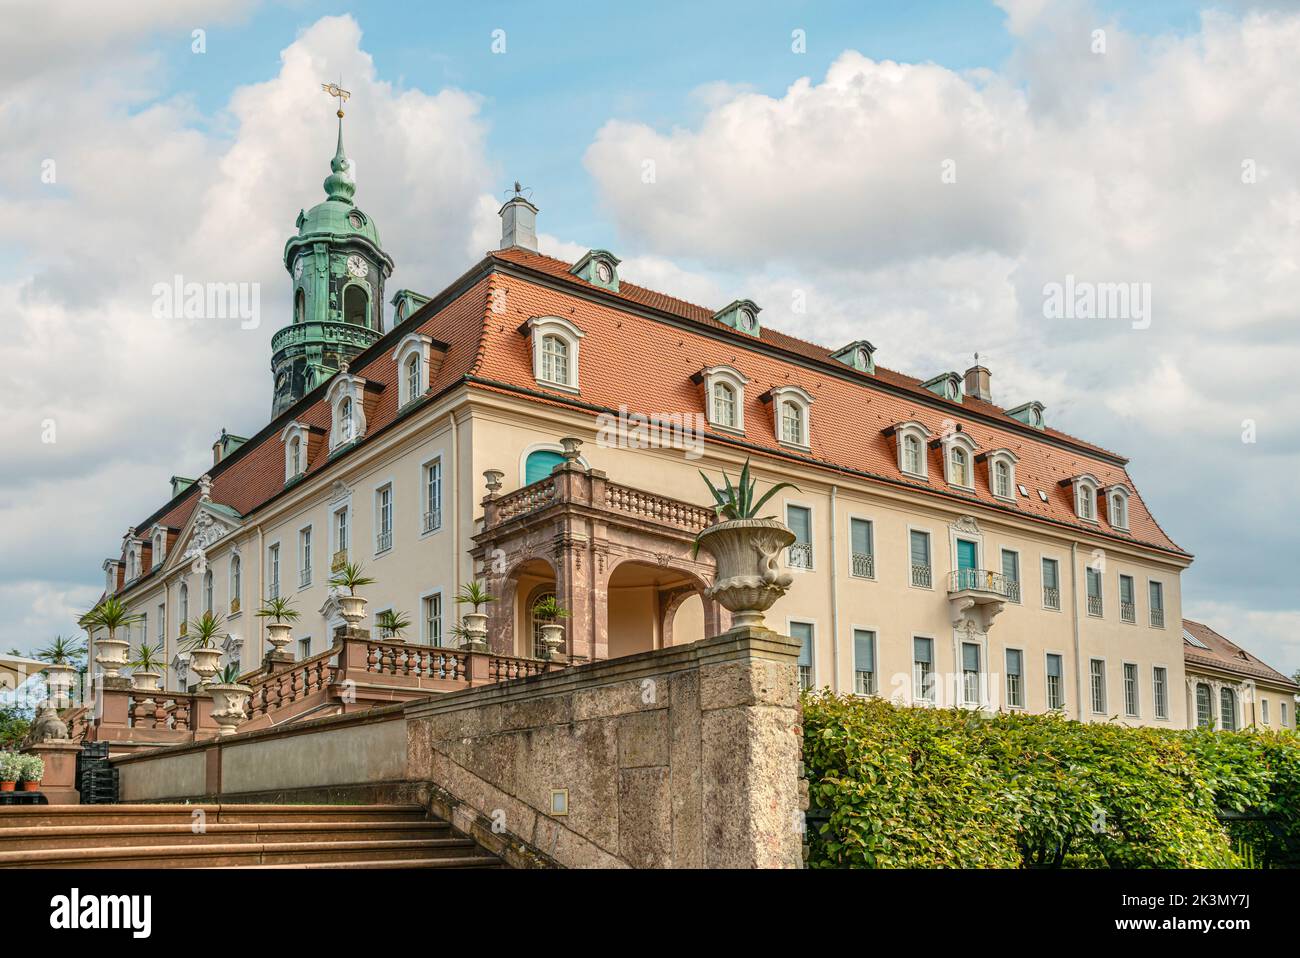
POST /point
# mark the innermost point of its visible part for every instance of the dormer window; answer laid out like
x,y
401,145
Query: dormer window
x,y
1031,414
790,406
959,455
860,355
600,268
909,440
555,352
159,550
1002,473
110,575
348,416
296,450
724,394
1085,488
412,359
347,424
958,467
741,315
947,385
1117,497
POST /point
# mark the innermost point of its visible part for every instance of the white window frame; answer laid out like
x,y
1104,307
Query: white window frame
x,y
1151,609
1006,678
914,693
1084,487
729,376
159,546
968,447
353,388
871,524
425,637
1105,692
1019,597
1137,688
1042,584
439,460
994,458
1263,711
875,659
1155,699
309,540
300,432
274,569
1125,494
919,432
412,344
377,518
802,401
304,640
907,551
981,673
539,328
812,646
1119,597
235,583
344,507
786,505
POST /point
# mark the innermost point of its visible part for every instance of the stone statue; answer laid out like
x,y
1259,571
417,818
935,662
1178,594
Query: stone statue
x,y
47,727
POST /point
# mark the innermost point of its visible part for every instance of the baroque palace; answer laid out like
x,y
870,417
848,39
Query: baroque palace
x,y
947,550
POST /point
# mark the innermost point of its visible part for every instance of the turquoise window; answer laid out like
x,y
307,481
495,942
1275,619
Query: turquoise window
x,y
540,464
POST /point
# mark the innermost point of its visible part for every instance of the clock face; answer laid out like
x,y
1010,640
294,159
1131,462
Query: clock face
x,y
297,268
357,266
604,272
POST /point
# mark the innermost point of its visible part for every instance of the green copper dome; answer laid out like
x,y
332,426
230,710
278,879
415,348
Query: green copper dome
x,y
338,216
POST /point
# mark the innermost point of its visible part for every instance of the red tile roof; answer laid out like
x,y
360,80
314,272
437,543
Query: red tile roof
x,y
1223,653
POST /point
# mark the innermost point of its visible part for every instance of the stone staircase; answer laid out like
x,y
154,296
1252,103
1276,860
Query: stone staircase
x,y
232,836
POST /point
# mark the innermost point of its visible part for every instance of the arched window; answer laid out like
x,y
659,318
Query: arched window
x,y
1118,511
540,593
299,307
912,455
959,467
356,306
1002,479
792,423
539,465
295,456
1204,707
724,404
1085,507
555,360
207,591
413,385
185,606
1228,709
346,429
236,583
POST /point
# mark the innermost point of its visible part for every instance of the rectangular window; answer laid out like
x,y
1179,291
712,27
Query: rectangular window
x,y
1011,574
433,496
862,541
1094,591
162,622
1157,595
341,540
1051,584
304,648
384,519
1055,685
1282,713
1131,689
1160,691
803,631
1127,608
304,557
1263,710
1015,679
433,619
919,544
275,571
1097,672
923,669
970,674
799,519
864,662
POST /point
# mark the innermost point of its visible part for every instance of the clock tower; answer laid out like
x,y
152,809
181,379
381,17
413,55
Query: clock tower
x,y
338,268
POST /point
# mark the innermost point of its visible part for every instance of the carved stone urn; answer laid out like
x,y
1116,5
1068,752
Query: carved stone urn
x,y
352,608
749,580
110,655
229,705
476,631
144,681
279,634
203,663
553,639
59,680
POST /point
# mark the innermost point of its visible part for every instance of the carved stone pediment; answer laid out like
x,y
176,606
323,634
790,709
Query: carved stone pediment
x,y
968,525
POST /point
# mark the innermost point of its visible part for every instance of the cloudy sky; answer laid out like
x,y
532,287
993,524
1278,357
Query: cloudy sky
x,y
919,175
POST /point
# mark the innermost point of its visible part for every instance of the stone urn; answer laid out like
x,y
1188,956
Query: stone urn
x,y
476,630
144,681
203,663
229,705
553,639
279,634
352,608
59,679
749,579
110,655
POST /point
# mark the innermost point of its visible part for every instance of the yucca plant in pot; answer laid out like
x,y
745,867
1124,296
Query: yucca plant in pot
x,y
392,624
31,770
229,699
351,577
475,595
549,608
745,547
147,667
201,642
282,615
110,653
64,656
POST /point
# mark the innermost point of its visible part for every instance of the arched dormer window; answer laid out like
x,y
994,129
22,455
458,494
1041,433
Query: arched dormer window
x,y
295,438
412,357
1002,473
909,445
348,416
1117,497
959,454
347,424
159,551
724,397
356,305
790,409
1084,488
555,352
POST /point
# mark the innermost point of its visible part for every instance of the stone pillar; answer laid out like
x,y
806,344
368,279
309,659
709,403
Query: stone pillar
x,y
59,785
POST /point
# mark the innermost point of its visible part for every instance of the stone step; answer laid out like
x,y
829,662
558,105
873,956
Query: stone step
x,y
27,816
150,833
465,861
242,854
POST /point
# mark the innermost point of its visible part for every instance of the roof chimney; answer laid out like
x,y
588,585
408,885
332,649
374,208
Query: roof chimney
x,y
977,381
519,222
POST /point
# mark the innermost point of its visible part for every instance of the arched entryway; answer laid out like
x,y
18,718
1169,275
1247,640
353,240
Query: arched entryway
x,y
650,607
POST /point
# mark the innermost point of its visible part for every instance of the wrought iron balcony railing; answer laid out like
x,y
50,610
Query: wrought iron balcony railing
x,y
1051,597
1094,605
304,578
984,580
864,565
383,542
433,520
921,576
801,555
1128,612
1157,618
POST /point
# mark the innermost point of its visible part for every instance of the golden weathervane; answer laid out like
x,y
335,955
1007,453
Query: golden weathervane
x,y
334,90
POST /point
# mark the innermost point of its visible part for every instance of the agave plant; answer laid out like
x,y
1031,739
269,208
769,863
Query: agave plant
x,y
148,658
279,608
350,577
393,623
228,675
549,608
203,631
461,632
112,614
62,651
473,593
741,500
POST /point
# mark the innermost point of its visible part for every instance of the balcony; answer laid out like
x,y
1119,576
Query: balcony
x,y
383,542
346,334
1157,618
921,577
1051,597
1127,612
800,556
433,520
1094,605
977,596
864,565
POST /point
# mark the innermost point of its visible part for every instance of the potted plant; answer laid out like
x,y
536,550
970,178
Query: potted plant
x,y
474,594
63,656
392,625
745,547
351,577
31,769
461,634
552,631
11,770
229,699
147,667
279,609
111,614
201,642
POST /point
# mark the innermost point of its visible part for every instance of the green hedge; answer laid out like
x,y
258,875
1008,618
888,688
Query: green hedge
x,y
933,788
